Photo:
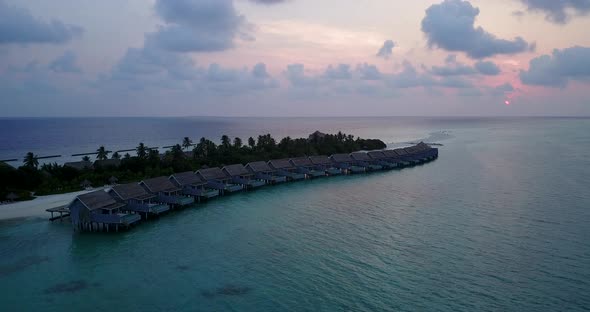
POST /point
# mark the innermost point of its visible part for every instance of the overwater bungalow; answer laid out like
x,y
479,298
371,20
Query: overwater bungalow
x,y
393,157
324,163
137,199
217,180
404,155
263,171
192,185
380,158
345,162
305,166
285,168
430,152
362,159
240,175
166,192
100,209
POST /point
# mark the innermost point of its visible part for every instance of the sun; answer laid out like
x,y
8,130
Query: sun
x,y
507,102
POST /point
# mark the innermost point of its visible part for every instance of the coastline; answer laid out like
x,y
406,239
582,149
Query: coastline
x,y
37,206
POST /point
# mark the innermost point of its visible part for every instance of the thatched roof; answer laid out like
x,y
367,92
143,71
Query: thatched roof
x,y
341,158
259,166
79,165
187,178
360,156
236,170
423,146
320,160
99,200
131,191
376,155
159,184
212,174
301,162
280,164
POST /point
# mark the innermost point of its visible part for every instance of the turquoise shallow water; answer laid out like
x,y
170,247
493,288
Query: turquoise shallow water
x,y
500,222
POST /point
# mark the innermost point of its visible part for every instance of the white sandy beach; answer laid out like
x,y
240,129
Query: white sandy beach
x,y
37,206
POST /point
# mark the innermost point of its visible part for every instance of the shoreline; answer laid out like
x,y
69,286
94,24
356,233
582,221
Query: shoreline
x,y
37,206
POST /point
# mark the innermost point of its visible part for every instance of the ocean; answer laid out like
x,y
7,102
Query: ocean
x,y
499,222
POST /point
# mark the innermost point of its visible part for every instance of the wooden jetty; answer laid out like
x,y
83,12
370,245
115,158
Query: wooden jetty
x,y
63,211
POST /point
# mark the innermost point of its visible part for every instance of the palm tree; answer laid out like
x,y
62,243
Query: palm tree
x,y
176,152
237,142
102,153
225,141
251,142
141,151
115,156
186,143
31,160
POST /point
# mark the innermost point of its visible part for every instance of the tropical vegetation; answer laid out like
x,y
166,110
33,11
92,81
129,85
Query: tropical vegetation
x,y
53,178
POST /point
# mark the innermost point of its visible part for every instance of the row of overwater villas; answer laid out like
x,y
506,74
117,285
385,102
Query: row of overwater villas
x,y
126,204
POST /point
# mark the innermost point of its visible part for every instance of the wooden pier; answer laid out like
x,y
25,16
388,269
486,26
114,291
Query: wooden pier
x,y
63,211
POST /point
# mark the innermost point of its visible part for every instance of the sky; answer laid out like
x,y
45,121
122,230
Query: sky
x,y
294,58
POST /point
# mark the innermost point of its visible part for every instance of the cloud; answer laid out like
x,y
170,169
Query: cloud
x,y
259,71
558,69
487,68
369,72
340,72
387,49
66,63
197,26
503,89
450,26
409,77
558,11
296,75
454,68
18,26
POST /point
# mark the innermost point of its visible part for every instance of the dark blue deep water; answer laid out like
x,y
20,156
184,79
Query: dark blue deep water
x,y
500,222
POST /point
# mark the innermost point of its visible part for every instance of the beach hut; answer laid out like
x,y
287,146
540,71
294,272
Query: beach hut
x,y
305,166
346,163
362,159
166,192
240,175
323,162
379,157
393,157
263,171
191,184
100,209
284,168
79,165
137,199
217,180
403,155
